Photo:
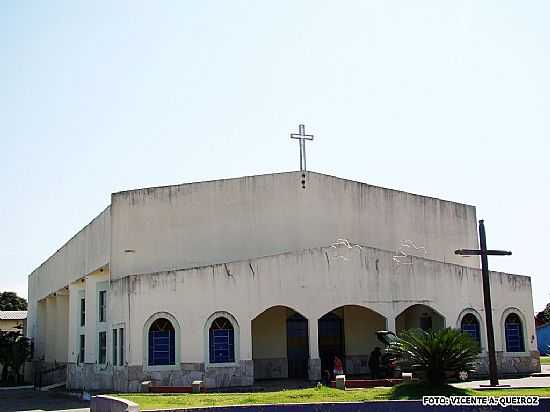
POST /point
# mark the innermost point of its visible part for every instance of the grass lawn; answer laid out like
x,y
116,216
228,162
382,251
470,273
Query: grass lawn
x,y
545,360
323,394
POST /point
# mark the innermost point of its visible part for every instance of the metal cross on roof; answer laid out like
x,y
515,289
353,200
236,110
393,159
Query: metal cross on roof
x,y
302,137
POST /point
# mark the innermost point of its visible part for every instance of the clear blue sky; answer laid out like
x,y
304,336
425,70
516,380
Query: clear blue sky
x,y
444,98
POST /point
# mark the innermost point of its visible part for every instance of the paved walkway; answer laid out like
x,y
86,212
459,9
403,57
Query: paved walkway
x,y
529,382
27,400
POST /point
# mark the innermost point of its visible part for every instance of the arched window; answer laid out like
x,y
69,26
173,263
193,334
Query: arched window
x,y
513,330
162,343
222,341
470,325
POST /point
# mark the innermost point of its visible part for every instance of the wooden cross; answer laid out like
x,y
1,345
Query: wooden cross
x,y
484,252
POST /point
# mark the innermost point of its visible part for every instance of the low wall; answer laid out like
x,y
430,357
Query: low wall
x,y
93,377
276,368
511,365
129,379
48,373
104,403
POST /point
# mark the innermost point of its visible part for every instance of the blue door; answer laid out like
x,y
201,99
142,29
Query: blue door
x,y
297,346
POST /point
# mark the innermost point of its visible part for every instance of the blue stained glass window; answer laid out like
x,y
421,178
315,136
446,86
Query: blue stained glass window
x,y
222,341
470,325
161,343
514,334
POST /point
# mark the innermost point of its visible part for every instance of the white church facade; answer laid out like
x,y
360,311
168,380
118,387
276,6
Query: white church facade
x,y
237,280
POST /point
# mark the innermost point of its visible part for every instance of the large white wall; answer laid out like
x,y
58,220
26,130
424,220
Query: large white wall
x,y
314,282
198,224
85,252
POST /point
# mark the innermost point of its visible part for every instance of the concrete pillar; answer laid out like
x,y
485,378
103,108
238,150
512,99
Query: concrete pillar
x,y
50,332
31,329
40,330
390,324
314,367
61,326
196,386
341,382
245,345
74,311
245,340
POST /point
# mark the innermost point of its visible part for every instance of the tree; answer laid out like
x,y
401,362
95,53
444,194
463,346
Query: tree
x,y
15,350
435,353
21,352
10,301
544,315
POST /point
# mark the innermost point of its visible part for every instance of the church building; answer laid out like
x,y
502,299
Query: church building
x,y
238,280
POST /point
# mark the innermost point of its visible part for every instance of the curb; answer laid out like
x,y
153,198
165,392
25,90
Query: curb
x,y
7,388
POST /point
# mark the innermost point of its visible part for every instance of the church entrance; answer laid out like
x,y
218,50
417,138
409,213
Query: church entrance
x,y
297,346
331,341
280,344
349,332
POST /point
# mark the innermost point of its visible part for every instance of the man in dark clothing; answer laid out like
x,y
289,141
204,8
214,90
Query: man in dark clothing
x,y
374,362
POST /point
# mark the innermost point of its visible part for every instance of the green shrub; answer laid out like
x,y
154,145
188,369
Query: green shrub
x,y
436,353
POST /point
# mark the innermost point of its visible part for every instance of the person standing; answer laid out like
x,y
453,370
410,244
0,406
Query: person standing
x,y
338,366
374,362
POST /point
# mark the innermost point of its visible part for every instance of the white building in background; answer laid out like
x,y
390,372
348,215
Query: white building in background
x,y
13,321
235,280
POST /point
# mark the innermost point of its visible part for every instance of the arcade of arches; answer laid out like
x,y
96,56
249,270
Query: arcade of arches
x,y
280,338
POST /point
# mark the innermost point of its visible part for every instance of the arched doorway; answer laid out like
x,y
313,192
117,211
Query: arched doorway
x,y
280,344
349,332
297,346
419,317
331,339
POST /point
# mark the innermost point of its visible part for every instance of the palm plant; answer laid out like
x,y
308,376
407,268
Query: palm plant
x,y
436,353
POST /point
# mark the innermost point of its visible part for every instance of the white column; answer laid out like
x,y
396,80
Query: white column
x,y
50,331
314,366
245,340
39,330
62,326
245,345
313,339
390,324
74,323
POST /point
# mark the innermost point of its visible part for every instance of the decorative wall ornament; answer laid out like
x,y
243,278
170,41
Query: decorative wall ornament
x,y
407,249
345,243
